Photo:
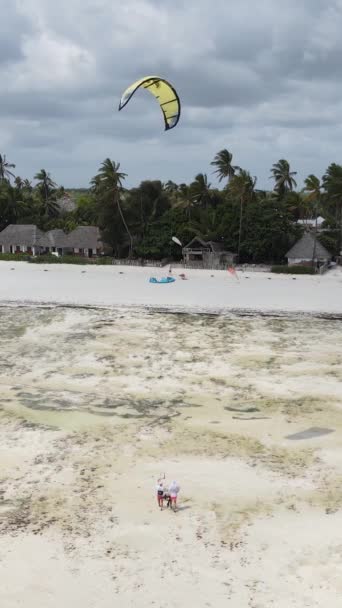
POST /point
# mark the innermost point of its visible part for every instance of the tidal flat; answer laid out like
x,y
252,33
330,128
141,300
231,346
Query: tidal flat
x,y
96,403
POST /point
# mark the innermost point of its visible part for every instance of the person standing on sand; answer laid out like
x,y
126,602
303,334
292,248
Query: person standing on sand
x,y
160,494
173,491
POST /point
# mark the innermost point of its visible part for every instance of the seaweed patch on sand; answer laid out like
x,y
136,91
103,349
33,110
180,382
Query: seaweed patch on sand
x,y
97,403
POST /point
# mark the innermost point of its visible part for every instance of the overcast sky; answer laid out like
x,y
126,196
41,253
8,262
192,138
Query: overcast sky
x,y
263,79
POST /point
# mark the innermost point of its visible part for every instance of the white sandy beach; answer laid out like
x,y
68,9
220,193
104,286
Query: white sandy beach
x,y
214,291
97,402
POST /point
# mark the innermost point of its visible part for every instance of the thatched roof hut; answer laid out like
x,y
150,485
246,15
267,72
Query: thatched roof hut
x,y
305,251
83,240
54,239
85,237
26,235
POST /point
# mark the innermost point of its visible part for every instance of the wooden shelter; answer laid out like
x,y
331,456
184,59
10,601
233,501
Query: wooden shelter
x,y
207,254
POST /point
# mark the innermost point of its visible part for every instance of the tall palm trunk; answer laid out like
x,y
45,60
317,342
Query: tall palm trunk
x,y
240,228
126,228
142,217
315,244
46,200
46,192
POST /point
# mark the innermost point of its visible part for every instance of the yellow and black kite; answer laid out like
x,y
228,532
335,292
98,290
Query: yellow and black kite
x,y
163,91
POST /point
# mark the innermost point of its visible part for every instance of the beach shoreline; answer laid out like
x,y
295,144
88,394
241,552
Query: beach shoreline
x,y
204,291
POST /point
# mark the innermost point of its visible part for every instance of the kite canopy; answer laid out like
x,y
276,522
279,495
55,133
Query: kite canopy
x,y
164,93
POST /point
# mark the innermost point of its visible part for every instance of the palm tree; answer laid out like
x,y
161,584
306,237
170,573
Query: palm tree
x,y
19,184
200,190
206,226
170,187
313,186
27,185
95,184
242,186
5,173
295,204
185,200
283,177
108,181
147,203
12,204
46,188
224,167
332,183
45,183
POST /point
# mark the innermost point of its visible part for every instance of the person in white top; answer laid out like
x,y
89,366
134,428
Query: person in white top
x,y
160,494
174,490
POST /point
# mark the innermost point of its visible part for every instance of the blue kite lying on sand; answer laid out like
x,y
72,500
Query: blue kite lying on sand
x,y
163,280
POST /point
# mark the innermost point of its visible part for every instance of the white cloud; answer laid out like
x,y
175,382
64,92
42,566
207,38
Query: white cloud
x,y
50,64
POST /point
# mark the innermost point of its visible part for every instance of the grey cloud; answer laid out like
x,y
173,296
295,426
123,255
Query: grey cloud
x,y
261,79
36,107
13,29
35,138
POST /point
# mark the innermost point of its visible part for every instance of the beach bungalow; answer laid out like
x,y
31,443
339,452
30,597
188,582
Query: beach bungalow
x,y
304,252
54,241
27,238
207,254
85,241
17,238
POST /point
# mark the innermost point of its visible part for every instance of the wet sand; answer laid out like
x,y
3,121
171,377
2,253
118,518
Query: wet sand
x,y
96,403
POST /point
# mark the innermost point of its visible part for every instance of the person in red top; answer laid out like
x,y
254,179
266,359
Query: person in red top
x,y
173,491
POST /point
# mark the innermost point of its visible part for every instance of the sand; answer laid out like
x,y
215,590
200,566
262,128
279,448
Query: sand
x,y
97,401
214,291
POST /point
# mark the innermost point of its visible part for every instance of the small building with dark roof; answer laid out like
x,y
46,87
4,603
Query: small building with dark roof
x,y
305,252
54,241
27,238
207,254
85,240
17,238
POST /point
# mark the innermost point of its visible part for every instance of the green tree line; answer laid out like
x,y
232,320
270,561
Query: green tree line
x,y
259,225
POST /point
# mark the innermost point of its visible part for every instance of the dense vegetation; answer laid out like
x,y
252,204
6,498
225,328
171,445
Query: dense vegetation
x,y
295,269
259,225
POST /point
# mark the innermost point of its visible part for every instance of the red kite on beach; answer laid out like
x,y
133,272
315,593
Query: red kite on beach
x,y
233,272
